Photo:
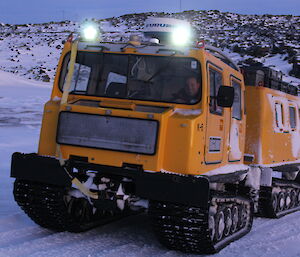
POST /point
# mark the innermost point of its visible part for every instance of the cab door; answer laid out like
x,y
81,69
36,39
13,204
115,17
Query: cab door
x,y
237,130
215,128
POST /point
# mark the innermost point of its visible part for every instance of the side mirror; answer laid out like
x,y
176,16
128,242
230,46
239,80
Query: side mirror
x,y
225,96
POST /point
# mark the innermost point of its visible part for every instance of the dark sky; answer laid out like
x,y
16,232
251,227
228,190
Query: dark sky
x,y
36,11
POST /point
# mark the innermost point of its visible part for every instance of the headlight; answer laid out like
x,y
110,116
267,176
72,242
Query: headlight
x,y
181,35
90,32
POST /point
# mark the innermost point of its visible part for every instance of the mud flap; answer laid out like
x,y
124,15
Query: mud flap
x,y
187,190
37,168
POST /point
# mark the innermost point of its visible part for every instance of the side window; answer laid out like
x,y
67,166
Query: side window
x,y
237,103
279,115
81,77
293,122
83,69
215,81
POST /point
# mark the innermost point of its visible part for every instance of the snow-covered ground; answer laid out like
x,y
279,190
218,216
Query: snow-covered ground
x,y
21,104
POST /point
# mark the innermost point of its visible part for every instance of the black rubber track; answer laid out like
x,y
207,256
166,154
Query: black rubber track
x,y
186,228
46,206
266,208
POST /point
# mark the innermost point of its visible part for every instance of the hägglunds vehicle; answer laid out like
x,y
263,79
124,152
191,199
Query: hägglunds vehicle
x,y
166,120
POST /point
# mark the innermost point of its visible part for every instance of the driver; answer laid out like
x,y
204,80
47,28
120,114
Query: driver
x,y
190,93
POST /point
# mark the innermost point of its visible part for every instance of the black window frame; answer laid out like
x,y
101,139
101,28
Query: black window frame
x,y
218,110
282,115
63,74
233,83
294,122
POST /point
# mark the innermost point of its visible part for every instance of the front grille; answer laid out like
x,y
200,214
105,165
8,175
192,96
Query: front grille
x,y
107,132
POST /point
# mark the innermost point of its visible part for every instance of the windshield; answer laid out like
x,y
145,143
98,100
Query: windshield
x,y
152,78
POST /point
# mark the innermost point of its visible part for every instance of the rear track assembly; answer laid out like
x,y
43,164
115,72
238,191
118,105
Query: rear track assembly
x,y
280,199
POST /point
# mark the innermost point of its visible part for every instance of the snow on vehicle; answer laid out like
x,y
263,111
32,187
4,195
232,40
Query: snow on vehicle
x,y
162,120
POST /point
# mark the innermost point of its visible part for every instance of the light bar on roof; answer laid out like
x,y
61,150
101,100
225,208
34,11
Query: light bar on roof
x,y
90,32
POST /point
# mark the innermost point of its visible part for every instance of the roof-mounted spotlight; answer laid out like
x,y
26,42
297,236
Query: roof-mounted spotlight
x,y
181,35
90,32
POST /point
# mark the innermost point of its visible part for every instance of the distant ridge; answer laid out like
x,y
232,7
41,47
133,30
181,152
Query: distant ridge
x,y
32,50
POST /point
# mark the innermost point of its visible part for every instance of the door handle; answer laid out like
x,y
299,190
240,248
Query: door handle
x,y
221,125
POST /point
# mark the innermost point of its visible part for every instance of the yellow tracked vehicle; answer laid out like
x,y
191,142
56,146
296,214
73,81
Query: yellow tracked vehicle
x,y
164,121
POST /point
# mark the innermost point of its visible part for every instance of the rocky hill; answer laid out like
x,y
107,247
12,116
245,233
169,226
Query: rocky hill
x,y
32,50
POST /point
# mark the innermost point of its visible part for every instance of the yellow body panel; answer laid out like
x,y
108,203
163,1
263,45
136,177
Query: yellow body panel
x,y
270,144
47,144
183,140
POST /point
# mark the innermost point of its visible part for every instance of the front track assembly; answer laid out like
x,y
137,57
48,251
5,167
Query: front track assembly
x,y
51,207
197,230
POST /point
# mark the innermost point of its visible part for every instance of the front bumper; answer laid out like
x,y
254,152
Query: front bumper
x,y
187,190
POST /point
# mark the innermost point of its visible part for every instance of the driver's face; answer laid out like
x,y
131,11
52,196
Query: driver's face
x,y
192,87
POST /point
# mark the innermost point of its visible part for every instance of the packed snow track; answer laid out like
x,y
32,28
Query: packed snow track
x,y
21,105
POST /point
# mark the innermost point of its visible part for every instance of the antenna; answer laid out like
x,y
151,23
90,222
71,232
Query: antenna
x,y
180,5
